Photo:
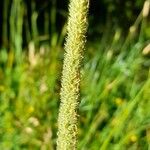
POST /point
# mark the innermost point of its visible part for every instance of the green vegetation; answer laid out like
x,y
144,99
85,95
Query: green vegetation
x,y
115,85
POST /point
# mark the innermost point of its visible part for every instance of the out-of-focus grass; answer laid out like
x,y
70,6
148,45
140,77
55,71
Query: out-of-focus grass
x,y
115,100
29,101
114,108
115,91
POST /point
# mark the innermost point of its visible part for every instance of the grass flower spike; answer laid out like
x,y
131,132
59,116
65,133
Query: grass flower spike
x,y
74,47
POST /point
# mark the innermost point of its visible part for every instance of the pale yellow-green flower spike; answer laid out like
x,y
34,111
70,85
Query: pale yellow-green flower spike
x,y
74,47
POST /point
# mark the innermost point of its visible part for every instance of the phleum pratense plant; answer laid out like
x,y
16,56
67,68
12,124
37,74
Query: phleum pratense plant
x,y
74,47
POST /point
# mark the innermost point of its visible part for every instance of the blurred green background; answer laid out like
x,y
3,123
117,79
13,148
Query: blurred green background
x,y
115,86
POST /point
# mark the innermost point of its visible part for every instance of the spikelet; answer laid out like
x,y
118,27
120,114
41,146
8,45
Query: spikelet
x,y
146,8
74,47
